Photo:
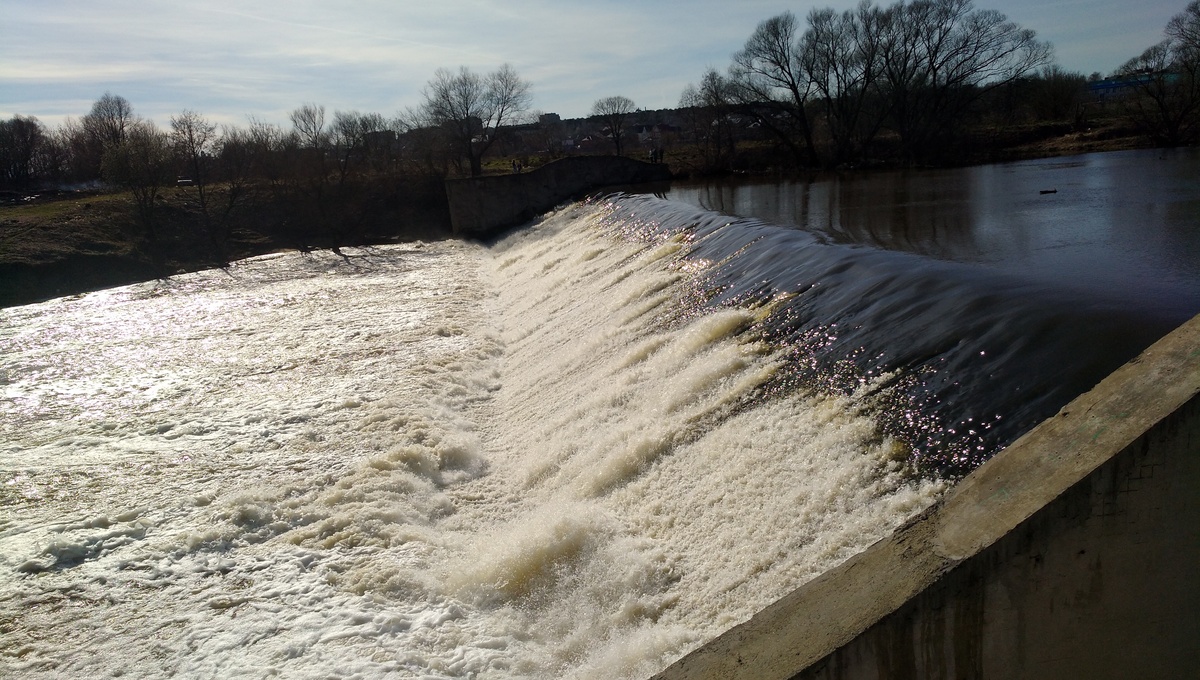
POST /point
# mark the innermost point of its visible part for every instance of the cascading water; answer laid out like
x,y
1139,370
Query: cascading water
x,y
970,357
579,452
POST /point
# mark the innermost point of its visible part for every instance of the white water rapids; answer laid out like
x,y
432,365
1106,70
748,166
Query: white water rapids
x,y
430,461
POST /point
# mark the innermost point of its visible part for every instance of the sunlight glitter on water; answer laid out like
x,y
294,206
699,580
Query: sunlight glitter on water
x,y
435,461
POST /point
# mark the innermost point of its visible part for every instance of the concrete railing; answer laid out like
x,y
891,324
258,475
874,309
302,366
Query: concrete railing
x,y
1073,553
482,207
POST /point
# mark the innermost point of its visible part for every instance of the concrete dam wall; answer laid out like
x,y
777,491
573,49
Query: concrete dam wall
x,y
482,207
1073,553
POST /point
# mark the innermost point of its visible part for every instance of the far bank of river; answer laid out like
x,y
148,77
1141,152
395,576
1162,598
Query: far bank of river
x,y
73,243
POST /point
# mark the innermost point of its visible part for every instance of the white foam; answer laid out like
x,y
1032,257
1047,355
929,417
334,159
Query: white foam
x,y
435,461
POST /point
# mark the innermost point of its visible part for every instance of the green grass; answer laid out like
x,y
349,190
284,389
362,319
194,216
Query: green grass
x,y
48,228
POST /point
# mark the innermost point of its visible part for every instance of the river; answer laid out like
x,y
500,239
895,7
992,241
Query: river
x,y
578,452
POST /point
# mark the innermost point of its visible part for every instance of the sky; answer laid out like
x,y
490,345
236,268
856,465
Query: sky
x,y
233,60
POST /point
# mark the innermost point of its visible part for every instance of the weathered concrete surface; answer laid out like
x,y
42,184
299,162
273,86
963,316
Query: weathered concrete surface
x,y
481,207
1074,553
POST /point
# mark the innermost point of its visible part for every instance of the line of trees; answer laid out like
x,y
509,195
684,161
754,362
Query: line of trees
x,y
328,173
1166,82
906,80
462,114
901,80
829,89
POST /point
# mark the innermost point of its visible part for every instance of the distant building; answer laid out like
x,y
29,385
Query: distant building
x,y
649,134
1111,88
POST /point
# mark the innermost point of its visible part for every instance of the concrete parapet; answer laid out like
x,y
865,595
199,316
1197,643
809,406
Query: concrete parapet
x,y
1073,553
481,207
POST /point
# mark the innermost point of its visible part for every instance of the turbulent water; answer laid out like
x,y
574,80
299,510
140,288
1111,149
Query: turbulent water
x,y
579,452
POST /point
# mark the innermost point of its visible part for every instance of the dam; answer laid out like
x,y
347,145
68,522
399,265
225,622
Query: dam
x,y
633,437
1089,570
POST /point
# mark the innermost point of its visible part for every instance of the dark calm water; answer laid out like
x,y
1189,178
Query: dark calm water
x,y
1122,226
989,296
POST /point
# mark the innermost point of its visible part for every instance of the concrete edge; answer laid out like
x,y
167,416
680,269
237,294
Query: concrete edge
x,y
821,616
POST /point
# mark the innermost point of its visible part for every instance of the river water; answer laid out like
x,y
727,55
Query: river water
x,y
578,452
1119,226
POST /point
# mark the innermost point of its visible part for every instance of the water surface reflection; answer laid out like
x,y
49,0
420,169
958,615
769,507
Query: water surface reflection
x,y
1119,227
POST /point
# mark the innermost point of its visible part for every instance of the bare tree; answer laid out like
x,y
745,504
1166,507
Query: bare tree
x,y
104,126
1166,98
268,147
843,55
377,141
424,148
768,81
549,133
194,138
1184,28
916,66
309,123
709,107
233,156
613,112
143,164
690,106
307,158
471,108
111,116
350,136
21,139
1166,82
940,56
54,159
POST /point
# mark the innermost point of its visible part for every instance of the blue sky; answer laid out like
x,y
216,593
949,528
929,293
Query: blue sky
x,y
231,60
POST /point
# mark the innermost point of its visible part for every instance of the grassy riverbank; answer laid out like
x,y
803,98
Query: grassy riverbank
x,y
58,243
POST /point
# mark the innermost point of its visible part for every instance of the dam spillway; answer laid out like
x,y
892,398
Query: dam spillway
x,y
1073,553
582,451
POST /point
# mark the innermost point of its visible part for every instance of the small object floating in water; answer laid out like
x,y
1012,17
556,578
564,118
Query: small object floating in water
x,y
1048,191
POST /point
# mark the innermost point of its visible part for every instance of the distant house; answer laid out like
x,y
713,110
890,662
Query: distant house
x,y
592,141
653,133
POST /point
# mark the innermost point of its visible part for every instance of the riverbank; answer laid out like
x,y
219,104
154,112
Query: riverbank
x,y
63,242
59,243
995,144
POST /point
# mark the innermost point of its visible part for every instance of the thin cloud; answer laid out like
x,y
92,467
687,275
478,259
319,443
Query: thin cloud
x,y
232,60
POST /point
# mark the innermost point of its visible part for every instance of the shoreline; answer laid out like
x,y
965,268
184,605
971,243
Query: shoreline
x,y
60,243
